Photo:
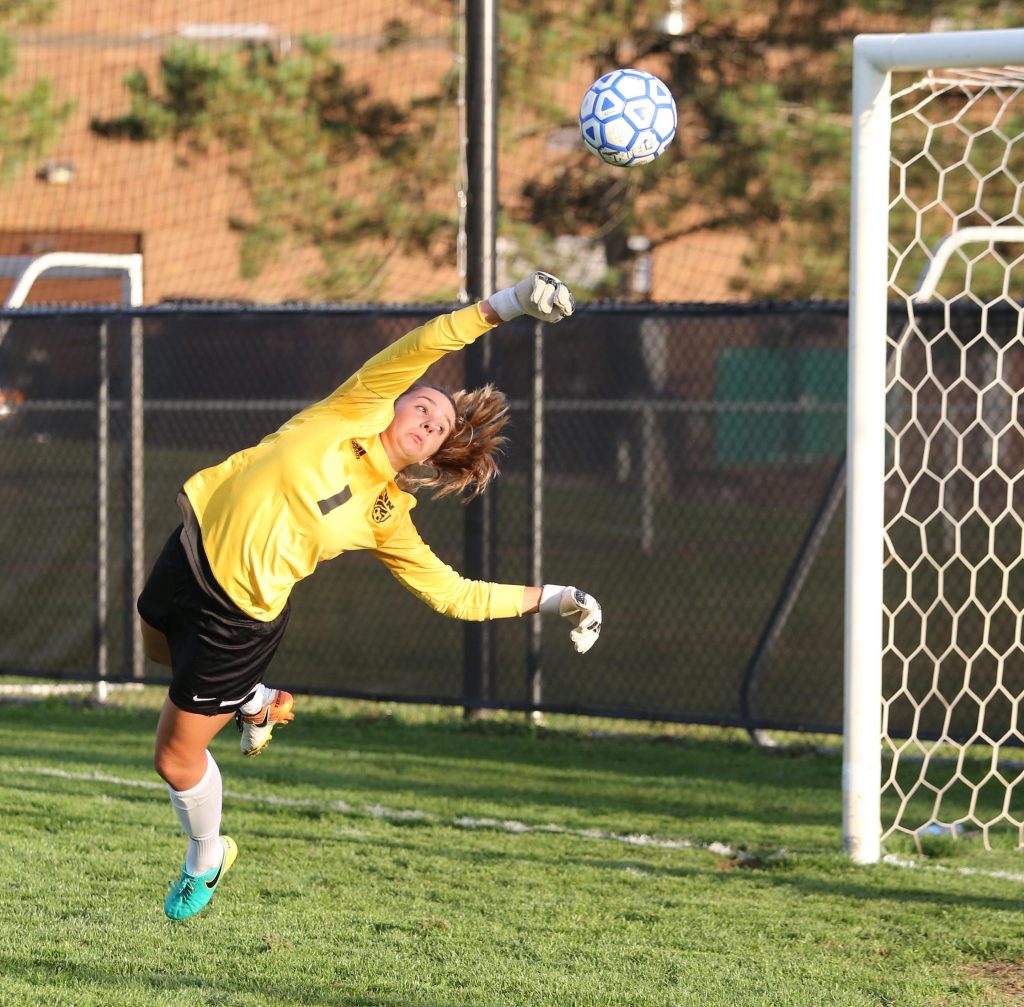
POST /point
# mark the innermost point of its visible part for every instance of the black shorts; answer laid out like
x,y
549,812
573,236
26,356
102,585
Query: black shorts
x,y
218,653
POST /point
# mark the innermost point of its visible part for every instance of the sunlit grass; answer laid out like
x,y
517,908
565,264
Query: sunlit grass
x,y
414,857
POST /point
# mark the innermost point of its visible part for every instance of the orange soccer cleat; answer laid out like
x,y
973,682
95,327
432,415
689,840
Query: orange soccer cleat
x,y
256,728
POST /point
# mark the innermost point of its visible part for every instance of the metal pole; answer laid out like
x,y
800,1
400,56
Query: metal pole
x,y
479,528
135,504
647,482
102,512
535,680
788,595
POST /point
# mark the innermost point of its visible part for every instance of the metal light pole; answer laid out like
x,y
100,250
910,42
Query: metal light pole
x,y
479,526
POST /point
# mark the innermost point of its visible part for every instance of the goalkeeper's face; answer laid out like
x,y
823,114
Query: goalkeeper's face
x,y
424,418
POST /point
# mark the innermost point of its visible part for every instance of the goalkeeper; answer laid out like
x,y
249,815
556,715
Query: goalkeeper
x,y
336,477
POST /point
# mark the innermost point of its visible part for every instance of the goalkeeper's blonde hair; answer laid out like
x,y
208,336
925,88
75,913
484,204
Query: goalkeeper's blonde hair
x,y
468,460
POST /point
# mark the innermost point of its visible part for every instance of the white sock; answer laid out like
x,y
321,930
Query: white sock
x,y
260,697
199,809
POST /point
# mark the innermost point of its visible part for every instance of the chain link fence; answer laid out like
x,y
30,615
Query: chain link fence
x,y
688,455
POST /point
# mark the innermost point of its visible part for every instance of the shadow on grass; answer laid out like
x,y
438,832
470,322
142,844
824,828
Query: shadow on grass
x,y
110,985
462,765
874,886
632,775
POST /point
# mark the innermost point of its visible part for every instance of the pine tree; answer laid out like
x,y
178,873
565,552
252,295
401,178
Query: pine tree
x,y
763,94
292,125
763,90
30,119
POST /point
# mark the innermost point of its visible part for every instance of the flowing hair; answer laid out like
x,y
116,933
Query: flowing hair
x,y
468,460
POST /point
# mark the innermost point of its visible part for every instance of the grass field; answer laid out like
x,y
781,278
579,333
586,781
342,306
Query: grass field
x,y
408,857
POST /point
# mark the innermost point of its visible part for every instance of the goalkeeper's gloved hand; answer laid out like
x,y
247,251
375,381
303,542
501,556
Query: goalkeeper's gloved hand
x,y
539,295
572,603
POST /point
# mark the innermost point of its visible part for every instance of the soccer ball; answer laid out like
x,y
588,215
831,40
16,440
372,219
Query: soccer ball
x,y
627,117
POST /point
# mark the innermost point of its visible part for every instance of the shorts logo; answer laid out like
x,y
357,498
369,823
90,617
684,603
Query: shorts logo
x,y
357,449
219,702
382,508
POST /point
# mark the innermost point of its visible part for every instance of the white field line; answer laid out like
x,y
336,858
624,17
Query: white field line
x,y
65,688
510,826
403,815
895,861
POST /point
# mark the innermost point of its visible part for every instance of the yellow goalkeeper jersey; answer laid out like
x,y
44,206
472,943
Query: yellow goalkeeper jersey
x,y
322,485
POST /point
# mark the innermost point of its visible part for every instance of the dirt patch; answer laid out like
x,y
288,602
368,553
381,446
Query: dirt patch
x,y
1005,978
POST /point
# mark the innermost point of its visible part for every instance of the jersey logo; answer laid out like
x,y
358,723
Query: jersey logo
x,y
382,507
330,503
357,449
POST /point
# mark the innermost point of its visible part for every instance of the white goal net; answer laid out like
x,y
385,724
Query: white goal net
x,y
934,726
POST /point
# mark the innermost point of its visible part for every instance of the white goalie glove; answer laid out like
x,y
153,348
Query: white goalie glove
x,y
577,605
539,295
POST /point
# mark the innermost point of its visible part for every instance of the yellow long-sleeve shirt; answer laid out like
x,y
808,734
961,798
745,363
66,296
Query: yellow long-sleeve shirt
x,y
322,485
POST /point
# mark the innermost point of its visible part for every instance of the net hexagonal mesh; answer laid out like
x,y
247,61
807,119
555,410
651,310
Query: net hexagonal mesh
x,y
953,583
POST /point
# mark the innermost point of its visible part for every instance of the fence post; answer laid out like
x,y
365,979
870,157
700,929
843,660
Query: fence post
x,y
102,512
135,510
648,486
534,669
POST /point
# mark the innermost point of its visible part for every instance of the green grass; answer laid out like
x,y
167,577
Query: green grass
x,y
393,877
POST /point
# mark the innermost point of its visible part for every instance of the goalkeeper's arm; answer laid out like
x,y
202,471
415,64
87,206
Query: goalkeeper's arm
x,y
433,581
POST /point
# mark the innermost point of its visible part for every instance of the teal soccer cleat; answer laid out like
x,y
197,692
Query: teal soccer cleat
x,y
193,891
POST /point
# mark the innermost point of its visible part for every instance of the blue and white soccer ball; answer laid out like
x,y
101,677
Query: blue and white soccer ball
x,y
628,117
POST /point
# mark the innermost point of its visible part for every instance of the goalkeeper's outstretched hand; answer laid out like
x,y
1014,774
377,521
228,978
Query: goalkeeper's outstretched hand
x,y
578,606
539,295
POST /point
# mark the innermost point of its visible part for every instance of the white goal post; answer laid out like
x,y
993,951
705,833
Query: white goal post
x,y
935,444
